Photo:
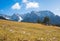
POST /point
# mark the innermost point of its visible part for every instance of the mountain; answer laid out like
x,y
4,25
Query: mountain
x,y
34,16
16,17
5,17
1,17
43,14
30,17
57,20
54,19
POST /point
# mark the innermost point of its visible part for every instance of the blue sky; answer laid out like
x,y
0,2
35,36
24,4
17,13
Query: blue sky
x,y
10,7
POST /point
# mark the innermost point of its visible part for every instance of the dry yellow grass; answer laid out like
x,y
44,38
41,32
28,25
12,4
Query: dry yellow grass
x,y
19,31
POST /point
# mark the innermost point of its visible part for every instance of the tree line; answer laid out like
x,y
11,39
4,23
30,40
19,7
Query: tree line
x,y
45,21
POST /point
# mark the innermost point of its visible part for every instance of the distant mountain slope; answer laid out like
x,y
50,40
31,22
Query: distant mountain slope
x,y
2,16
34,16
19,31
16,17
30,17
54,19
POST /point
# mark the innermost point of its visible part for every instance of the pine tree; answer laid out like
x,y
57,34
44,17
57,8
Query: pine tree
x,y
46,20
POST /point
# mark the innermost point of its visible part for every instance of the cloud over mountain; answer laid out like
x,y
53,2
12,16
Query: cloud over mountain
x,y
16,6
32,5
24,1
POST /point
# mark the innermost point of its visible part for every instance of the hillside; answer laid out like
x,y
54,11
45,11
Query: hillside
x,y
19,31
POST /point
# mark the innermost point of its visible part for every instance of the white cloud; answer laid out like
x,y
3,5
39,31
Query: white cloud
x,y
24,1
16,6
32,5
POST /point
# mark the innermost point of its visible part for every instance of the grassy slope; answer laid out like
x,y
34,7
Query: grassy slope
x,y
19,31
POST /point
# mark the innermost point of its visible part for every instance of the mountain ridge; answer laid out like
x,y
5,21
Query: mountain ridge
x,y
33,16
